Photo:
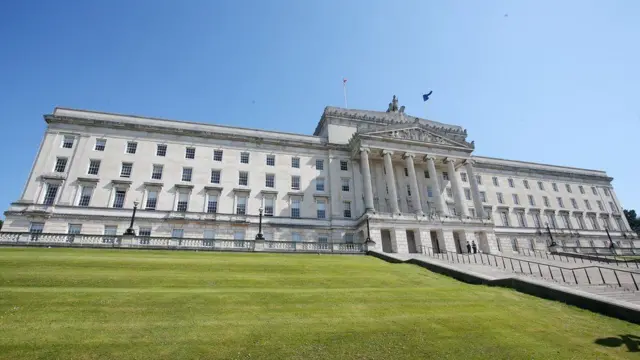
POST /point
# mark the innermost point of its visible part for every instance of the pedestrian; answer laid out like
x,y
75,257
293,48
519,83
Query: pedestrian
x,y
474,246
468,248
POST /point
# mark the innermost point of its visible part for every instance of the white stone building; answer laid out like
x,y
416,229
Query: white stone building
x,y
415,180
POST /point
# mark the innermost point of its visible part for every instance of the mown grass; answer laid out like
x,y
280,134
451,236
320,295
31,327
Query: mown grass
x,y
117,304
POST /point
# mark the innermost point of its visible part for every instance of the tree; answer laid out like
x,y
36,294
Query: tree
x,y
1,222
634,221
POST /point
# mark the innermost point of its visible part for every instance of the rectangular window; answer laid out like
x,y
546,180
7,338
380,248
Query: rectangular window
x,y
241,206
190,153
574,203
600,205
85,196
94,167
505,218
500,198
132,147
271,160
522,222
429,191
67,141
212,204
516,199
295,162
587,204
36,227
215,176
536,219
406,172
594,191
348,238
568,186
581,188
621,225
61,164
152,200
551,220
467,194
560,202
510,181
426,174
606,223
565,220
320,184
345,184
463,176
244,158
270,180
145,232
579,221
525,183
217,155
243,178
346,208
101,144
50,194
614,208
295,182
187,173
514,244
545,200
118,200
238,235
110,233
269,203
161,150
449,192
540,185
479,179
295,207
125,170
323,238
487,212
408,190
177,233
606,192
344,165
156,172
472,212
483,196
554,186
445,175
295,236
319,164
594,222
532,200
321,209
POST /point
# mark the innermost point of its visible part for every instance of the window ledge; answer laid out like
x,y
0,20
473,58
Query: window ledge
x,y
213,188
154,183
242,189
269,192
184,186
88,179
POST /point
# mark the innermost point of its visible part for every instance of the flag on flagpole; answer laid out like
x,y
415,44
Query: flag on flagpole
x,y
344,89
425,97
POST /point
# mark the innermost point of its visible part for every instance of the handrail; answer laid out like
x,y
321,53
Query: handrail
x,y
455,257
582,258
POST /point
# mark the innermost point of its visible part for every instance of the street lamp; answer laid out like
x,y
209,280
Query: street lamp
x,y
553,242
611,246
368,231
130,230
259,236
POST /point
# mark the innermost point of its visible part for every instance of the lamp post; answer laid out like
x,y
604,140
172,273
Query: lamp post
x,y
130,230
259,236
553,242
611,246
368,231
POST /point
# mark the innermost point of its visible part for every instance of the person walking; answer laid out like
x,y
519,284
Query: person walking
x,y
474,246
468,248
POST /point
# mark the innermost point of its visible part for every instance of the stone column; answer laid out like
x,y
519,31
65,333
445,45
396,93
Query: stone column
x,y
475,191
458,194
413,183
391,181
366,178
437,193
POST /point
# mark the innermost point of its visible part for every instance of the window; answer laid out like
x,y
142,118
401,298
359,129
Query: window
x,y
50,194
600,205
212,204
241,206
101,144
269,203
479,179
215,176
346,205
144,232
187,173
495,181
61,164
190,153
545,200
487,212
614,208
560,202
587,204
510,181
467,194
295,207
554,186
243,178
36,228
406,172
408,190
536,219
344,165
606,223
525,183
238,235
67,141
566,222
621,225
551,220
270,180
295,236
320,184
177,233
505,218
295,162
445,175
152,200
161,150
271,160
319,164
125,170
323,238
449,192
472,212
429,191
74,229
244,158
581,188
568,187
574,203
540,185
516,199
118,199
483,196
295,182
500,198
156,172
217,155
522,222
514,244
345,184
594,222
426,174
348,238
532,200
580,221
594,191
321,209
132,146
85,196
606,192
110,233
208,236
94,167
463,176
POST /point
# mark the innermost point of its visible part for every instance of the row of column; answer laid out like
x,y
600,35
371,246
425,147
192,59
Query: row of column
x,y
441,206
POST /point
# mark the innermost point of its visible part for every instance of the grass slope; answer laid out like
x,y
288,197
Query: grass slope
x,y
118,304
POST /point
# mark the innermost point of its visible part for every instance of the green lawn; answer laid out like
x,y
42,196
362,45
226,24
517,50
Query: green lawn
x,y
118,304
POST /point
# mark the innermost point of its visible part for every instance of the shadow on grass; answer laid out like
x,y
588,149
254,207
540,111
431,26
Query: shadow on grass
x,y
632,342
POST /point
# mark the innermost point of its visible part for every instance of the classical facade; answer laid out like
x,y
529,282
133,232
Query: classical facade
x,y
403,181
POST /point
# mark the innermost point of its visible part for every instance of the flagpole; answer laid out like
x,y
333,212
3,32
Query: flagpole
x,y
344,89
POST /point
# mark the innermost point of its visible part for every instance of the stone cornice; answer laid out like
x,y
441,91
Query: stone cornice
x,y
540,169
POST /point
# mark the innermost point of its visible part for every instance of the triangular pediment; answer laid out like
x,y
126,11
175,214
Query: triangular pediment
x,y
416,133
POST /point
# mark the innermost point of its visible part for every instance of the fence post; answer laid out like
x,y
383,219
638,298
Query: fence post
x,y
562,273
529,264
601,276
550,272
540,269
503,264
617,279
587,273
574,276
634,281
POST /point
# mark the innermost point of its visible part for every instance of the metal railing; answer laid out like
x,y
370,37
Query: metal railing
x,y
577,258
594,275
156,242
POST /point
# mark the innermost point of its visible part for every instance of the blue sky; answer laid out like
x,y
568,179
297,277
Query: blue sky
x,y
555,82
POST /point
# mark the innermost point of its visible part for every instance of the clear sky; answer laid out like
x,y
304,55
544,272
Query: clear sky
x,y
556,82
